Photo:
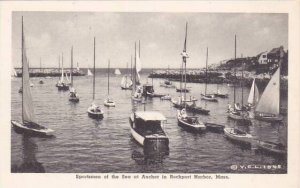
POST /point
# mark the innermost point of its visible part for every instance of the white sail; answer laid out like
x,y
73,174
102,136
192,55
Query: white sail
x,y
138,67
78,69
89,73
254,94
28,111
68,79
270,99
126,81
117,72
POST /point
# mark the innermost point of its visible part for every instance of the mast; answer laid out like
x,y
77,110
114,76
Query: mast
x,y
94,69
184,61
40,64
134,76
242,84
126,73
22,72
152,77
108,77
206,70
58,63
62,66
131,68
234,69
71,72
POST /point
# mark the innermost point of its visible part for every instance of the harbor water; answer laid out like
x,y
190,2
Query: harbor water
x,y
85,145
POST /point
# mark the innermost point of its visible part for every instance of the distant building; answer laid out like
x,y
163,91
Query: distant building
x,y
263,58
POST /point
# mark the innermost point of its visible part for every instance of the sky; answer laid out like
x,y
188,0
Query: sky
x,y
50,34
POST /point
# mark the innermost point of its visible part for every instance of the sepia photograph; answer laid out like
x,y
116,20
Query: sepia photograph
x,y
185,94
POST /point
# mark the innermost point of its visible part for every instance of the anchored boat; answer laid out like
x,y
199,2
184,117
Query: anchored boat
x,y
73,96
95,111
272,147
147,129
28,125
109,101
238,135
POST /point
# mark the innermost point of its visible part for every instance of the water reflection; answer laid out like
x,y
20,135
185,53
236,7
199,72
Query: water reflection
x,y
29,163
145,158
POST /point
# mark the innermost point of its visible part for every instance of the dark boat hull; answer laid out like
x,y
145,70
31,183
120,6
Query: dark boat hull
x,y
189,128
30,132
192,109
272,148
221,95
71,99
63,88
268,118
183,90
240,119
216,128
95,115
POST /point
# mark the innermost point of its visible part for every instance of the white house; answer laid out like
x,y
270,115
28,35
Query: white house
x,y
263,58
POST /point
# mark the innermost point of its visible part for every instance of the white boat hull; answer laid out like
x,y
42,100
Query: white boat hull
x,y
246,138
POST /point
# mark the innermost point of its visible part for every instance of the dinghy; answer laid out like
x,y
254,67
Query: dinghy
x,y
190,123
28,126
271,147
238,135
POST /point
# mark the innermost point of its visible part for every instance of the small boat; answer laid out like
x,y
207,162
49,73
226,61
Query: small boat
x,y
73,97
190,123
148,90
41,81
95,111
167,84
147,129
209,97
239,116
220,95
183,90
193,108
20,90
238,135
61,85
272,147
166,97
31,84
213,127
268,107
205,96
117,72
126,83
109,101
28,126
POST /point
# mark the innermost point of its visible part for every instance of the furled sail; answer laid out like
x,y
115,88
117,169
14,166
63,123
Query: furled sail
x,y
126,81
62,75
138,68
28,111
254,94
270,99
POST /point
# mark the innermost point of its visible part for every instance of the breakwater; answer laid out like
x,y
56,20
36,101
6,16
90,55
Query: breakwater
x,y
49,72
214,77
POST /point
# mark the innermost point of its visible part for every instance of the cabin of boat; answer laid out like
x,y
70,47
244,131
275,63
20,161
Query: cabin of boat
x,y
146,129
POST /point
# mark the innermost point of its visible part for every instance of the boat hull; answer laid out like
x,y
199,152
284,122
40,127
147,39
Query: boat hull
x,y
74,99
268,118
21,129
210,99
242,139
183,90
190,127
240,119
95,115
221,95
63,88
216,128
271,148
109,104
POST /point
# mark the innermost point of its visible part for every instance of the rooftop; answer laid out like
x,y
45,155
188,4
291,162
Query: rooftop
x,y
150,116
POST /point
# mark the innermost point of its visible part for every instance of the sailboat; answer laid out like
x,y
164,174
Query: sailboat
x,y
268,107
187,122
205,96
73,97
28,125
253,96
137,90
126,83
89,73
181,89
109,102
236,112
58,81
95,111
77,68
117,72
167,83
219,94
62,85
41,81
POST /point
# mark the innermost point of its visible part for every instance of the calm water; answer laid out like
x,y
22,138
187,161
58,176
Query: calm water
x,y
84,145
